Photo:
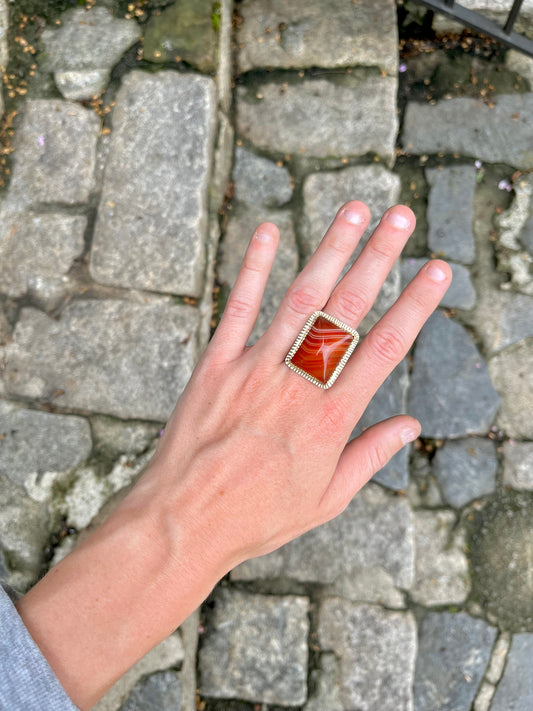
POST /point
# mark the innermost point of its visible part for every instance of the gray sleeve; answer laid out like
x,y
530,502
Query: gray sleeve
x,y
27,683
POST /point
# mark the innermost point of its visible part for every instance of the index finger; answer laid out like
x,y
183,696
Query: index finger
x,y
388,342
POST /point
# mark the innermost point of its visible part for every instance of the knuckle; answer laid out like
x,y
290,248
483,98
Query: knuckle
x,y
352,306
303,299
378,457
333,419
387,344
238,308
380,250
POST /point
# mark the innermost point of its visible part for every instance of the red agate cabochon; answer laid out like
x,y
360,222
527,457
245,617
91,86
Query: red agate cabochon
x,y
324,347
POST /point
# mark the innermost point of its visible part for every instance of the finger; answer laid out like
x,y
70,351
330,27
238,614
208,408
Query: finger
x,y
312,288
363,457
355,294
244,301
391,338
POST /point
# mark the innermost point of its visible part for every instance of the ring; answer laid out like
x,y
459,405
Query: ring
x,y
322,349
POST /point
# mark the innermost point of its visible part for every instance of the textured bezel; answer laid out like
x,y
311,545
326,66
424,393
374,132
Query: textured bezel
x,y
303,333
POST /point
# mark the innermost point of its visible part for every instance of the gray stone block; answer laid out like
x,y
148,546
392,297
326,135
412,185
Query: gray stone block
x,y
451,393
36,251
304,117
466,469
376,650
460,295
158,692
324,193
363,554
390,400
55,149
518,465
84,49
499,134
326,681
453,652
450,212
256,649
4,26
113,357
33,442
260,182
275,33
114,437
511,371
152,219
441,568
515,690
184,30
239,230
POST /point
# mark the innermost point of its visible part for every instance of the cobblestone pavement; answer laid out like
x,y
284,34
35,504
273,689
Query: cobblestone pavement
x,y
149,139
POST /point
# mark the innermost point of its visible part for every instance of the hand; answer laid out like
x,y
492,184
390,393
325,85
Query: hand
x,y
253,456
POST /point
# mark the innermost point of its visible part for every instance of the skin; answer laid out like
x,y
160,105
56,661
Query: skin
x,y
252,457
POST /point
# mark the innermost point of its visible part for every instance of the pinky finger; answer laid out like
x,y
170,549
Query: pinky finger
x,y
244,301
364,456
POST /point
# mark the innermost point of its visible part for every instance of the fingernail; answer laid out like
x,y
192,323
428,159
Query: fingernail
x,y
354,218
398,220
262,237
409,434
435,273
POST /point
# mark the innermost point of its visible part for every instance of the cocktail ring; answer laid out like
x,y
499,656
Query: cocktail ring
x,y
322,349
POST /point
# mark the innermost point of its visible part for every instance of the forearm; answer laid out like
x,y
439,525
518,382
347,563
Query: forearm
x,y
125,589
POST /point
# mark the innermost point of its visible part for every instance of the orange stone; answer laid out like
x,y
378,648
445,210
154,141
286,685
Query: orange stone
x,y
322,349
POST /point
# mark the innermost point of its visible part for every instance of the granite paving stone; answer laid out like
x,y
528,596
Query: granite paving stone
x,y
184,30
500,551
497,10
256,648
114,437
515,690
515,237
460,295
453,653
466,469
441,568
237,235
34,442
303,117
4,25
158,692
518,465
503,318
498,134
84,49
258,181
274,33
450,212
109,356
37,250
511,371
55,152
24,532
390,400
152,223
451,392
324,193
377,651
363,554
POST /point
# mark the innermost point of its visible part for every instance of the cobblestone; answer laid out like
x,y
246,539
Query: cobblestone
x,y
511,371
277,34
55,152
151,225
256,649
451,392
303,117
516,688
448,675
466,469
111,357
82,52
518,465
468,127
377,650
258,181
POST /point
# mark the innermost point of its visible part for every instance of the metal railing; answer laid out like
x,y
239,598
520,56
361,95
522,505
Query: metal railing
x,y
480,23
